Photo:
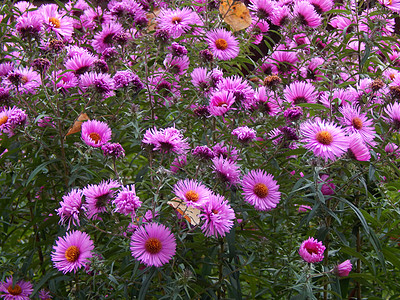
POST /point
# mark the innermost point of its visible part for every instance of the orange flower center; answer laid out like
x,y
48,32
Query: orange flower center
x,y
176,20
153,245
95,137
215,211
14,291
312,251
221,44
261,190
357,123
324,137
392,76
24,79
192,196
72,253
56,22
222,104
3,120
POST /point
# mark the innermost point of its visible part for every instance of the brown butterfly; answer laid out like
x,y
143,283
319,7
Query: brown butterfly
x,y
235,13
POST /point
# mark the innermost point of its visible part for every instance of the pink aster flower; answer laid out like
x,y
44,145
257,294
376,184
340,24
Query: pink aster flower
x,y
223,44
98,197
55,21
25,79
358,149
218,216
328,188
101,83
393,111
72,251
282,61
44,295
192,192
325,139
29,25
65,80
176,64
312,251
281,16
261,190
265,101
241,90
114,150
177,21
153,244
104,38
300,92
226,170
220,103
263,9
343,269
167,140
21,290
71,208
11,118
126,202
393,5
357,122
95,133
244,134
80,63
306,14
322,6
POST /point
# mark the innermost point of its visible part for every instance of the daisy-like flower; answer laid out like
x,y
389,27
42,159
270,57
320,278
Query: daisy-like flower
x,y
98,82
218,216
44,295
72,251
358,123
393,5
226,170
153,244
282,61
178,164
66,80
25,79
325,139
306,14
71,208
113,150
220,103
59,23
244,134
126,78
358,150
312,251
98,197
261,190
322,6
80,63
177,21
240,89
192,192
95,133
393,111
176,64
11,118
263,9
343,269
168,140
126,202
220,150
281,16
104,38
300,92
21,290
265,101
29,25
203,153
223,45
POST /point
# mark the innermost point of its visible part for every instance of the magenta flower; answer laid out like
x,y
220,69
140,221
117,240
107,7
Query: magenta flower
x,y
72,251
306,14
244,134
300,92
393,111
223,45
328,188
178,21
261,190
226,170
312,251
80,63
126,202
11,118
21,290
104,38
27,80
55,21
220,103
168,140
357,122
101,83
192,192
71,208
343,269
358,150
265,101
153,244
325,139
218,216
304,208
95,133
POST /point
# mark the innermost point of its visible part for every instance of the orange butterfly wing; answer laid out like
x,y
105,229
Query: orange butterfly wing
x,y
191,214
236,14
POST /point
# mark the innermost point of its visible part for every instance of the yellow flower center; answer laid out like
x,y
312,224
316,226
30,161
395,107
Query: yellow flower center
x,y
14,291
221,44
24,79
357,123
3,120
324,137
192,196
72,253
95,137
261,190
56,22
153,245
176,20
